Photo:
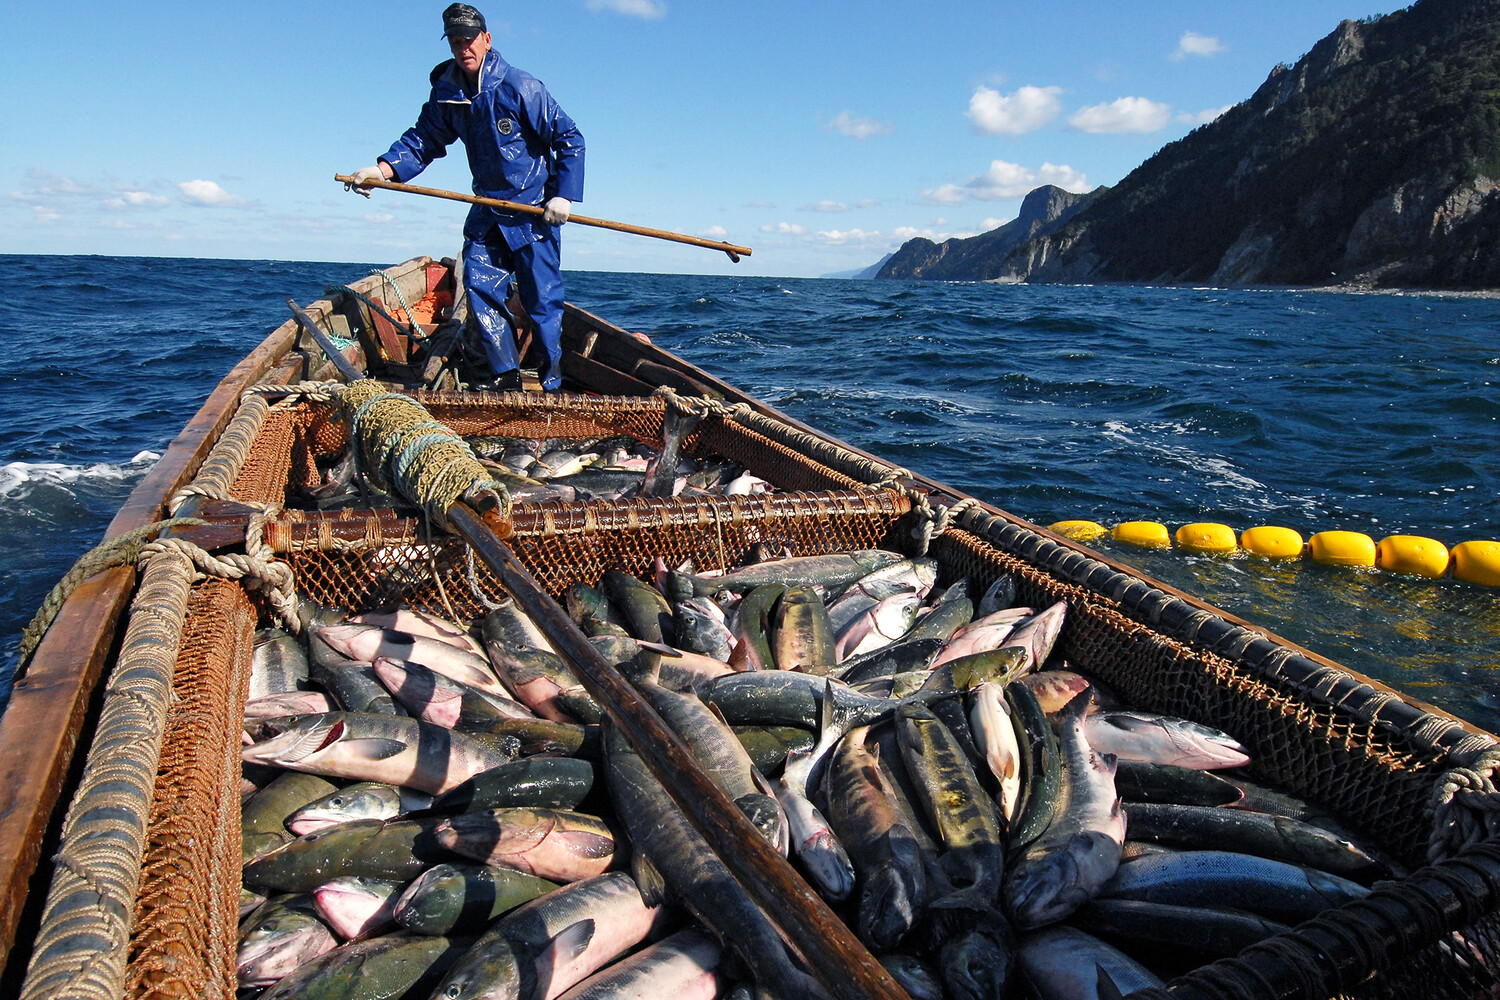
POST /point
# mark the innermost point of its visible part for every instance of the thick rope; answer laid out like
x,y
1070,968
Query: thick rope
x,y
400,447
81,947
310,390
1465,807
122,550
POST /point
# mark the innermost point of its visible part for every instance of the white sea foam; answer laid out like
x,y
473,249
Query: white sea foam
x,y
18,479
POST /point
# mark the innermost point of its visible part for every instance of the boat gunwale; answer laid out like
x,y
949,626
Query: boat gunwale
x,y
50,701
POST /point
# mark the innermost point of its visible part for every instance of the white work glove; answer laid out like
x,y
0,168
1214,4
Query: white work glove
x,y
557,211
362,176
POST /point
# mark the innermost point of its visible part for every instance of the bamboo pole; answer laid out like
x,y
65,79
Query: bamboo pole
x,y
734,252
825,943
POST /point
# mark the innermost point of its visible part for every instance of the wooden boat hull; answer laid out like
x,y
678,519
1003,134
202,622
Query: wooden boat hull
x,y
1165,649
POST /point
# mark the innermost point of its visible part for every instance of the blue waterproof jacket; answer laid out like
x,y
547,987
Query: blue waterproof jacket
x,y
522,147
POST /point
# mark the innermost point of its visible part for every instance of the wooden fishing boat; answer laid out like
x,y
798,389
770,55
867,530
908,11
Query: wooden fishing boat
x,y
119,753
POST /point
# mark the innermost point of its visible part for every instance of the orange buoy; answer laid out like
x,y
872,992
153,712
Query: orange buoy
x,y
1412,555
1477,562
1207,537
1079,531
1342,548
1271,542
1148,534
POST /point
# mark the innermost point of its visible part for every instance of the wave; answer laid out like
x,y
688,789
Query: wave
x,y
19,479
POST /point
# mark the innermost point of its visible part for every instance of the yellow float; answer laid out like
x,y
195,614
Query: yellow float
x,y
1206,537
1147,534
1412,555
1272,542
1477,562
1342,548
1079,531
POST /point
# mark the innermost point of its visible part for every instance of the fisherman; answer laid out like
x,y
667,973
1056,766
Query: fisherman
x,y
522,147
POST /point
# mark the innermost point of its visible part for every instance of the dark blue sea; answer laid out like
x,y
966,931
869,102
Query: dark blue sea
x,y
1312,410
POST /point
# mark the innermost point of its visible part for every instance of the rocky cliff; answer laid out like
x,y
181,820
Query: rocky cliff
x,y
983,257
1373,161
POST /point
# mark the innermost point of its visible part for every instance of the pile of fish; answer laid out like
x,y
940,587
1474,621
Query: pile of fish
x,y
450,814
568,469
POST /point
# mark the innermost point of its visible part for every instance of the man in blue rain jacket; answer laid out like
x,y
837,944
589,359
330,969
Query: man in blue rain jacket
x,y
522,147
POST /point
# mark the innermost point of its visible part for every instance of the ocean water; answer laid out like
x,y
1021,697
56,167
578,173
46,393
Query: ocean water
x,y
1312,410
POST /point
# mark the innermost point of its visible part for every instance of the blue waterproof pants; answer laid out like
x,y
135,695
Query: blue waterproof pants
x,y
489,264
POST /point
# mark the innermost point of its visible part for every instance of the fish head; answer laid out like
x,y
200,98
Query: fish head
x,y
299,737
487,973
976,964
888,907
352,905
1055,885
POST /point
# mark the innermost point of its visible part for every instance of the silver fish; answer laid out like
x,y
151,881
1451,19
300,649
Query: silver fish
x,y
1080,849
1163,739
381,748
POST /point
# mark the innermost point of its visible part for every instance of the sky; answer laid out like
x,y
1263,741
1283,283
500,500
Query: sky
x,y
820,134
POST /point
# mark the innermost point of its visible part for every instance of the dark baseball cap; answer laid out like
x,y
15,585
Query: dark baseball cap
x,y
462,20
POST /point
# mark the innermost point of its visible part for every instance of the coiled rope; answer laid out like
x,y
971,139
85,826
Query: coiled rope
x,y
1465,806
402,448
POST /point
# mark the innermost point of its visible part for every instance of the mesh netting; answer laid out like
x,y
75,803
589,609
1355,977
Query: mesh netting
x,y
1307,747
379,562
186,915
295,438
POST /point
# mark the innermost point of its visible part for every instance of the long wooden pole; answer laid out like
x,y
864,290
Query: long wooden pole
x,y
734,252
830,949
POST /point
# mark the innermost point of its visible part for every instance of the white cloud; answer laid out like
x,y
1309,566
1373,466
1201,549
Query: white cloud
x,y
1128,114
785,228
648,10
1203,117
868,202
713,233
1008,180
43,214
992,223
857,128
825,206
209,194
1027,110
136,199
852,237
1193,44
904,233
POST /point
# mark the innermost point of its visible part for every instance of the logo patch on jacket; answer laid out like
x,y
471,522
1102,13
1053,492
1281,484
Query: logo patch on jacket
x,y
505,126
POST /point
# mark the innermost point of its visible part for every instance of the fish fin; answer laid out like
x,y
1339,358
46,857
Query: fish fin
x,y
1107,988
648,880
376,748
574,939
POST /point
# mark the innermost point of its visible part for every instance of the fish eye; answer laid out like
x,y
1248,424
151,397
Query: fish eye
x,y
337,800
453,992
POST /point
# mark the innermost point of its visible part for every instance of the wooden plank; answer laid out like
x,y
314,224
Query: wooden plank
x,y
602,378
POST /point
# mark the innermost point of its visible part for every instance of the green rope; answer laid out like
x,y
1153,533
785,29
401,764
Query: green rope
x,y
410,329
400,446
121,550
399,298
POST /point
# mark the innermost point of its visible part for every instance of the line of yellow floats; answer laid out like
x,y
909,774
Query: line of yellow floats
x,y
1475,562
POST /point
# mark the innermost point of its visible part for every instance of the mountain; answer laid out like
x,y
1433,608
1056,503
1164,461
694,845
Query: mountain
x,y
1373,161
982,257
861,273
